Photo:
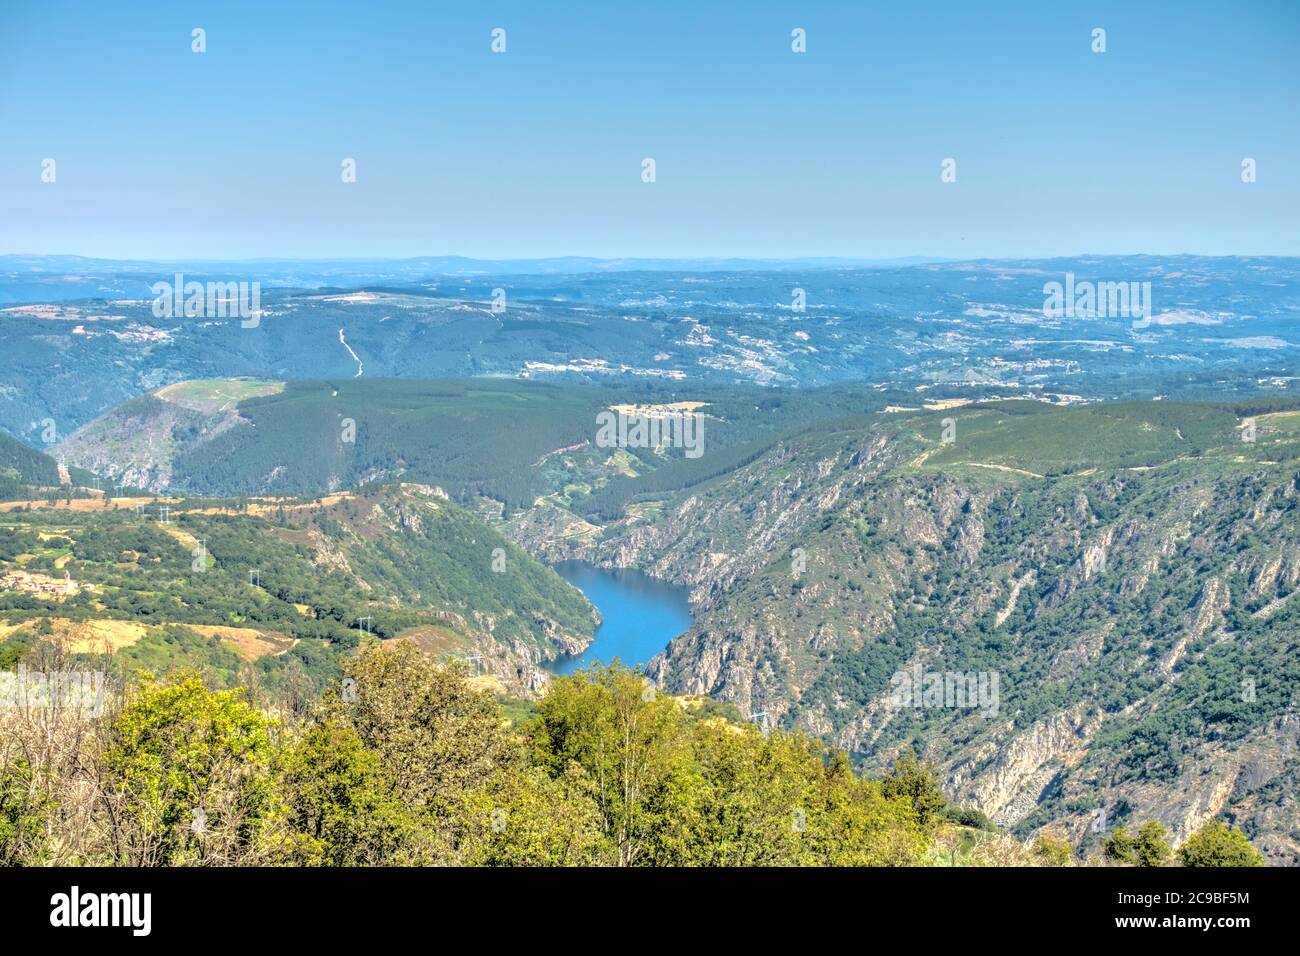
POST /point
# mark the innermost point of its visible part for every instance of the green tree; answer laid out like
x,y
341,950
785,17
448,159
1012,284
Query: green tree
x,y
631,744
755,799
340,805
435,734
1119,846
23,816
675,790
860,824
1053,851
188,778
1152,845
1217,844
919,783
526,818
453,765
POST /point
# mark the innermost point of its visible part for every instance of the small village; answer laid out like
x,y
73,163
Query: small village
x,y
39,584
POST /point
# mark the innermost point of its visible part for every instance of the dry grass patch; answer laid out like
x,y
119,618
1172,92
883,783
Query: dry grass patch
x,y
84,637
184,537
249,643
434,639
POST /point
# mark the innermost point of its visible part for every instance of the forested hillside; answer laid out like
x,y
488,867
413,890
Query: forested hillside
x,y
476,438
286,589
23,469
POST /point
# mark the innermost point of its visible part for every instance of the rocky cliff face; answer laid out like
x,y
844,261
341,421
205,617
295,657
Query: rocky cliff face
x,y
1138,622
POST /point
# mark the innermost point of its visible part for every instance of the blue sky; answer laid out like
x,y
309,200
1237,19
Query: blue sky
x,y
235,153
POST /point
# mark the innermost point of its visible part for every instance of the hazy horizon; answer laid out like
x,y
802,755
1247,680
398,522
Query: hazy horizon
x,y
839,259
537,150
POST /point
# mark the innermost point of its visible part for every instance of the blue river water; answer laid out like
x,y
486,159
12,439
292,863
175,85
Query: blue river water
x,y
639,615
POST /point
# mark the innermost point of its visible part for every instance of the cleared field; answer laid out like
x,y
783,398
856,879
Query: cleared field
x,y
85,637
267,506
81,504
92,637
1035,439
100,636
216,394
249,643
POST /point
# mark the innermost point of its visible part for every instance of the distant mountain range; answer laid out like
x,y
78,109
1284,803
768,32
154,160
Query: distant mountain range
x,y
1218,326
28,278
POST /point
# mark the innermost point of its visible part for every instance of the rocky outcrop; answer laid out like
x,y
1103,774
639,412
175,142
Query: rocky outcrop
x,y
1208,611
1006,779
